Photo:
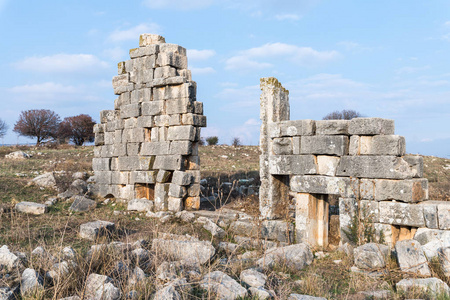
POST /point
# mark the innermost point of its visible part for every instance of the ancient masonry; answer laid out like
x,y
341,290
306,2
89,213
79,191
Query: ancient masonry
x,y
361,161
147,147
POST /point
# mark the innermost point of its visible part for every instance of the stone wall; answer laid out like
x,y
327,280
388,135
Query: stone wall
x,y
360,160
147,147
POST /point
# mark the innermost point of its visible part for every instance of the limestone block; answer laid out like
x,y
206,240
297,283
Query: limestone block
x,y
101,164
120,150
192,203
370,211
124,99
140,205
408,190
404,214
133,149
277,230
179,133
140,52
155,148
327,165
193,162
103,177
142,177
371,126
121,68
175,204
169,162
161,196
193,190
181,147
444,215
142,70
106,151
179,106
109,138
196,175
162,120
99,139
292,128
31,208
124,89
430,214
141,95
177,191
120,80
147,39
114,164
99,128
130,111
282,146
416,164
128,163
432,286
175,120
144,121
324,144
165,72
383,232
105,116
387,167
181,178
118,133
347,211
152,108
172,59
198,108
332,127
96,229
163,176
377,145
316,184
371,256
296,145
292,164
167,47
411,258
120,177
193,119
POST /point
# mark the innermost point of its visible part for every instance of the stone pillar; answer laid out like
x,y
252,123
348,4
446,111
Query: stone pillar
x,y
274,189
311,219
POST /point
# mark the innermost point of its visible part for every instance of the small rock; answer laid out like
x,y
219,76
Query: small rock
x,y
212,227
304,297
31,208
9,259
380,294
261,293
253,278
31,284
223,285
81,204
96,229
140,205
411,257
17,155
433,285
140,257
46,180
185,216
58,271
137,276
371,256
228,247
296,256
100,287
69,253
337,261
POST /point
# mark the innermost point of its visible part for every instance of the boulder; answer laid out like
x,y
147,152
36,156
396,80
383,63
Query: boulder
x,y
96,229
82,204
371,256
140,205
9,259
427,285
58,271
441,241
31,284
100,287
46,180
141,257
17,155
69,253
223,286
191,252
296,257
411,257
31,208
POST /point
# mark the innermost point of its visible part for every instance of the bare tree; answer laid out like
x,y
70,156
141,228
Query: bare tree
x,y
236,142
79,129
346,114
3,128
42,124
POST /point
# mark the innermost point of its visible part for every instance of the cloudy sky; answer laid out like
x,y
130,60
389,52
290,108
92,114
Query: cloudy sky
x,y
382,58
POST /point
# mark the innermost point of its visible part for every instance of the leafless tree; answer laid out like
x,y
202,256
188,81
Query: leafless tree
x,y
3,128
42,124
78,129
346,114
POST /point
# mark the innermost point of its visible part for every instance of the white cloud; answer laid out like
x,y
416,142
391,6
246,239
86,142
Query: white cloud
x,y
116,53
178,4
134,32
202,71
299,55
289,17
410,70
195,55
61,63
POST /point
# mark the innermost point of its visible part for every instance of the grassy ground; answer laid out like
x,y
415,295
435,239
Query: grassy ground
x,y
59,228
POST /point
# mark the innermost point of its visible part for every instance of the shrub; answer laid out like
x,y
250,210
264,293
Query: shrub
x,y
212,140
346,114
236,142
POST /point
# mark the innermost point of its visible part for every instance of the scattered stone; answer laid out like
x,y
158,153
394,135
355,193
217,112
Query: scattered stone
x,y
9,259
433,285
31,284
51,201
212,227
17,155
71,298
228,247
58,271
96,229
261,293
167,293
80,175
140,257
431,248
371,256
223,285
185,216
304,297
188,251
82,204
31,208
411,257
100,287
69,253
253,278
140,205
46,180
296,257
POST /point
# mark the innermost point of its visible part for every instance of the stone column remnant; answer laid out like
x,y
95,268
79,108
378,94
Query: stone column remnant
x,y
147,147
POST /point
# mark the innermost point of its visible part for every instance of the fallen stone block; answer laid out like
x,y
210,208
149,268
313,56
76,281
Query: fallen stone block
x,y
31,208
101,287
371,126
192,252
253,278
444,215
17,155
295,257
46,180
411,258
140,205
8,259
81,204
304,297
427,285
96,229
371,256
31,284
223,286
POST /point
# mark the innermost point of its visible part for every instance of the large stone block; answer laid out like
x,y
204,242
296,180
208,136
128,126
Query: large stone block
x,y
348,209
101,164
371,126
193,119
282,146
181,178
131,163
411,258
416,164
96,229
404,214
143,177
369,210
103,177
324,144
179,106
332,127
155,148
31,208
107,116
292,164
130,110
133,149
386,167
120,80
152,108
430,214
120,177
141,95
140,52
161,196
172,59
316,184
165,72
292,128
177,191
327,165
180,133
444,215
169,162
408,190
174,204
181,147
377,145
148,39
174,48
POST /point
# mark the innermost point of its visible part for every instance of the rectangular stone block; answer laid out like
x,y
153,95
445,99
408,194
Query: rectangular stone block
x,y
145,163
163,134
162,120
193,119
292,128
332,127
120,80
282,146
371,126
378,145
316,184
370,211
152,108
196,175
129,123
181,178
175,120
145,121
192,203
137,135
164,176
99,139
155,148
383,232
172,59
146,50
99,128
126,192
175,204
124,99
181,147
103,177
133,149
179,133
177,191
101,164
327,165
165,72
444,215
143,177
130,111
408,190
386,167
106,151
109,138
128,163
193,190
296,144
324,144
161,196
416,164
167,48
120,150
193,162
292,164
397,213
169,162
430,214
179,106
198,108
106,116
142,71
120,177
141,95
114,164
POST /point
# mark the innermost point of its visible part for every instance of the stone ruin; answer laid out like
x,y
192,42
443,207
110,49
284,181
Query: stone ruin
x,y
147,147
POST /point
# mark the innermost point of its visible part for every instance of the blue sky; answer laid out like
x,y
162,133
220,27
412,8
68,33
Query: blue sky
x,y
385,59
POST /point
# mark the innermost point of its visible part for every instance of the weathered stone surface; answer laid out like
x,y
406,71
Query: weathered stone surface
x,y
185,216
343,186
174,204
167,293
426,235
282,146
432,285
444,215
371,126
332,127
31,208
377,145
277,230
431,248
411,257
347,211
327,165
96,229
140,205
430,214
58,271
292,164
17,155
8,294
397,213
416,164
9,259
223,286
253,278
182,178
81,203
31,284
148,39
213,228
192,252
324,144
444,260
291,128
371,256
295,257
304,297
46,180
161,196
101,287
386,167
410,190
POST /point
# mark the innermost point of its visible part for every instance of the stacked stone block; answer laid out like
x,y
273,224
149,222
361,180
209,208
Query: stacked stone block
x,y
147,147
360,160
